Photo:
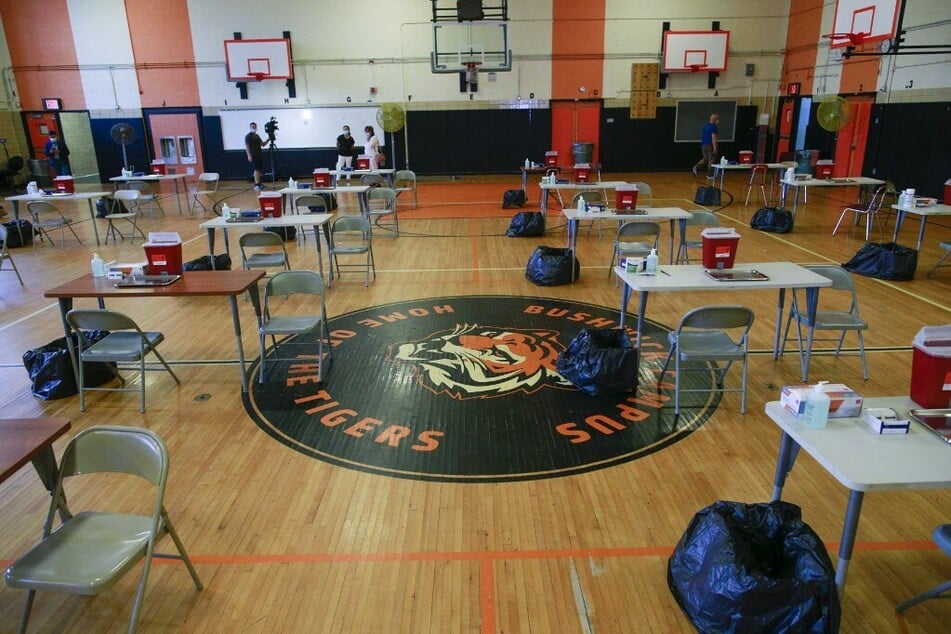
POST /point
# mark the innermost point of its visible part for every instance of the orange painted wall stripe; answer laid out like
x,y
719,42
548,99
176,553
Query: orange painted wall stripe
x,y
161,34
29,43
860,74
802,38
577,47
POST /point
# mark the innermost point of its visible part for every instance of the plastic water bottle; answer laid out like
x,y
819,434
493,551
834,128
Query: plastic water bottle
x,y
650,263
816,412
581,206
98,266
790,174
528,164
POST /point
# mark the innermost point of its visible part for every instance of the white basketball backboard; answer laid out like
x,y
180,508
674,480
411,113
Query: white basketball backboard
x,y
870,20
248,60
690,51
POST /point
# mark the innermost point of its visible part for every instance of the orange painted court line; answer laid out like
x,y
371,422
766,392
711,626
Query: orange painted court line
x,y
487,596
474,245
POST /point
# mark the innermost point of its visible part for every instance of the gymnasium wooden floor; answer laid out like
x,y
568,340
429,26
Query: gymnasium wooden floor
x,y
288,543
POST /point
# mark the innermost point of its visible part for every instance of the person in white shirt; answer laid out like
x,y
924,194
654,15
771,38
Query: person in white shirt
x,y
372,147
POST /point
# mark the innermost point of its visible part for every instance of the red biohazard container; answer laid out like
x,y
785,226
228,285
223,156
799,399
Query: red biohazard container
x,y
64,184
824,169
746,156
582,172
947,193
363,162
158,167
931,367
164,253
270,203
321,178
625,197
551,158
719,247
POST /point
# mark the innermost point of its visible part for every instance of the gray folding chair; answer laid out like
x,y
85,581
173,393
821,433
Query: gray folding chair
x,y
947,251
309,204
404,181
349,236
126,343
942,537
148,196
130,198
46,217
870,211
590,198
92,550
300,296
205,189
634,239
645,196
699,219
5,254
759,177
843,317
705,336
263,250
381,201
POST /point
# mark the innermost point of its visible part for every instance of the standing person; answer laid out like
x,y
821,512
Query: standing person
x,y
372,148
345,144
254,147
709,145
57,152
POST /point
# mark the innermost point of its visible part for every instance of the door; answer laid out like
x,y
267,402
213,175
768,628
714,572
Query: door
x,y
38,127
851,140
575,122
175,137
784,143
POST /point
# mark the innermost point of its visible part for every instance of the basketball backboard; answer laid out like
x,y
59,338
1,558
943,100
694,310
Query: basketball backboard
x,y
861,21
688,51
253,60
457,45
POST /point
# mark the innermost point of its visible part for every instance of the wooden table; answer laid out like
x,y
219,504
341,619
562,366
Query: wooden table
x,y
158,178
228,284
691,278
52,198
862,461
25,440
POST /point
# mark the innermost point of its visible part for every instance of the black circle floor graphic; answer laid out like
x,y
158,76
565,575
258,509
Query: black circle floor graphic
x,y
465,389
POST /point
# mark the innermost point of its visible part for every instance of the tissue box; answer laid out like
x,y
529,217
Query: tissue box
x,y
845,402
884,421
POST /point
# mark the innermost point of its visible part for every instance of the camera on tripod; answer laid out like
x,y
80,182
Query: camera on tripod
x,y
271,127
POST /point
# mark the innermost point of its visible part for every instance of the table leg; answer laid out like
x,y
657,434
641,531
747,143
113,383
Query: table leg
x,y
544,201
320,258
16,217
788,450
625,298
178,194
847,543
899,219
921,231
572,242
641,309
525,181
66,305
92,216
45,465
780,303
236,319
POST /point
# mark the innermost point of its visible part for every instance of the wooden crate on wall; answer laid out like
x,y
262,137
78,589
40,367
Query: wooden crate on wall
x,y
644,90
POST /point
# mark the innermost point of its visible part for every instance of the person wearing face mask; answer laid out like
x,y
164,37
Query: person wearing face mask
x,y
372,147
253,145
345,144
57,152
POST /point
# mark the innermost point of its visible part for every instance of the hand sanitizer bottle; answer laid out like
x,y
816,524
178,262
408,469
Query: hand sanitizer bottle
x,y
581,206
528,164
650,263
98,266
816,412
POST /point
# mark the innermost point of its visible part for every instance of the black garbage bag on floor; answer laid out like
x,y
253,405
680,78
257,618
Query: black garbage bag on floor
x,y
526,224
551,266
222,263
19,233
772,219
600,361
886,261
754,568
51,371
513,198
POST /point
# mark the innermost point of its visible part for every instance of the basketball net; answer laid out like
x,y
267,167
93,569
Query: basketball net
x,y
472,72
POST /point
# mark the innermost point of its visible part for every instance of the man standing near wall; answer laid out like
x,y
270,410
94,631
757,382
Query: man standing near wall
x,y
253,145
58,154
709,145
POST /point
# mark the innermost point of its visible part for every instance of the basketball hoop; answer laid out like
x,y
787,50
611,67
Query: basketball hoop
x,y
472,71
850,39
258,76
697,67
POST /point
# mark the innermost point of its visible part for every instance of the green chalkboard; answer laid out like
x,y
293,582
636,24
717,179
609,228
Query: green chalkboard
x,y
692,115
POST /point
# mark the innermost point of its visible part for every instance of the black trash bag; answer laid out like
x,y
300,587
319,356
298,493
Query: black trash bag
x,y
600,361
754,568
513,198
222,263
51,370
526,224
19,233
772,219
551,266
886,261
286,232
707,195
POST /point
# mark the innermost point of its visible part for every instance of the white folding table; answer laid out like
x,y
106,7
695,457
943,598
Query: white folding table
x,y
158,178
652,214
922,213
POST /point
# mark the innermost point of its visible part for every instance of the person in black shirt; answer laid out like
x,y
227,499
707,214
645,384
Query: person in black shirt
x,y
254,147
345,144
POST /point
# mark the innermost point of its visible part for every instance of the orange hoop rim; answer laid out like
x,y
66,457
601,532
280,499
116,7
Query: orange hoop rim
x,y
258,76
697,67
854,38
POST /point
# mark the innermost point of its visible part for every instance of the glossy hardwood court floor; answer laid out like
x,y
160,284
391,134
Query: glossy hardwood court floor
x,y
287,543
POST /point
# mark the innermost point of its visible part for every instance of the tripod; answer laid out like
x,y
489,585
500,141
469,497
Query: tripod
x,y
273,153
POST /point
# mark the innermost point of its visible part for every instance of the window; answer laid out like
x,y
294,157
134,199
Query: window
x,y
186,149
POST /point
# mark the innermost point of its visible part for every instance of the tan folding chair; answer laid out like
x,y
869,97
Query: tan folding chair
x,y
404,181
5,254
634,239
148,196
130,198
700,219
46,217
206,188
349,236
90,551
381,201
